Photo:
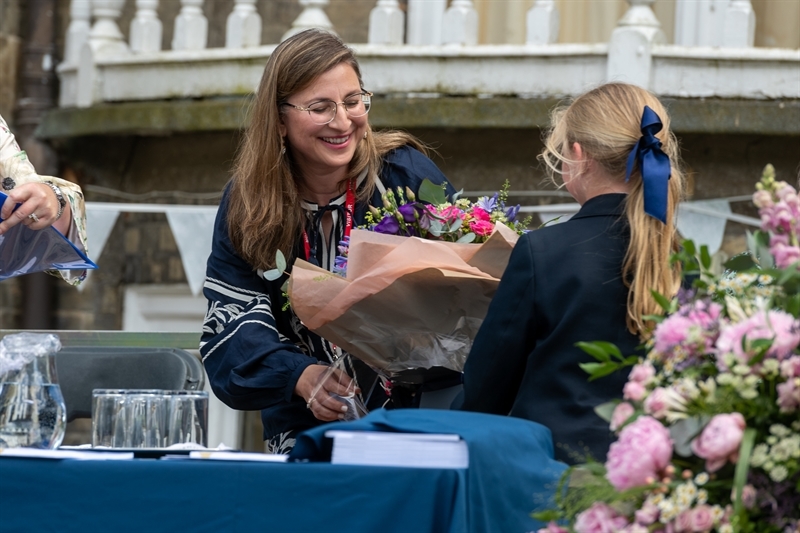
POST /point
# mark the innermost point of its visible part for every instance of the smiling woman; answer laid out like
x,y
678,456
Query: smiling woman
x,y
307,171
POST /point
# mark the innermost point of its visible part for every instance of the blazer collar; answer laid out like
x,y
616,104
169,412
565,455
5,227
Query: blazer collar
x,y
604,205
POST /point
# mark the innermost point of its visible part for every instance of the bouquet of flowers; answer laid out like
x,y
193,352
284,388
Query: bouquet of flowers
x,y
414,285
709,422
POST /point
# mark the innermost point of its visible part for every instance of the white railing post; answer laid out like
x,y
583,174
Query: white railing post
x,y
460,24
191,27
740,25
146,28
105,40
312,16
243,29
80,16
630,48
425,21
685,22
387,23
710,22
542,23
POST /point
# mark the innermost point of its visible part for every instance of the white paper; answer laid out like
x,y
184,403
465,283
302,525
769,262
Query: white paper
x,y
239,456
35,453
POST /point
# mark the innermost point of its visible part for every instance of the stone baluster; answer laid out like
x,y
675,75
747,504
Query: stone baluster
x,y
685,22
542,23
191,27
243,29
80,15
146,28
425,21
630,48
312,16
460,24
740,25
105,40
710,22
386,23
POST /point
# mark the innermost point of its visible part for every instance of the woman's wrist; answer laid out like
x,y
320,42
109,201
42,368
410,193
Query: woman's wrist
x,y
59,197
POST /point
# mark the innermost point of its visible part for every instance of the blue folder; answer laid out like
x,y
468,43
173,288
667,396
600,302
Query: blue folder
x,y
24,251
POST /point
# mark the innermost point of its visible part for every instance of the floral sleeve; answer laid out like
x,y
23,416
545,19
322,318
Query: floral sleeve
x,y
17,170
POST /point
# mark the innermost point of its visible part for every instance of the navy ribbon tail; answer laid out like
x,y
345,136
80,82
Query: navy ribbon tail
x,y
654,166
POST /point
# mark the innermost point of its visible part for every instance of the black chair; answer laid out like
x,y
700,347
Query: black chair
x,y
81,369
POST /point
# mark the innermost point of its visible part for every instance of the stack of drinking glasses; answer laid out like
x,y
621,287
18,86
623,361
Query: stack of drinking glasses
x,y
144,418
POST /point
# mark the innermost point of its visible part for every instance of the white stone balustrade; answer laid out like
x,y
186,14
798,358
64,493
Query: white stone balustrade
x,y
387,23
713,55
191,27
243,28
146,28
312,16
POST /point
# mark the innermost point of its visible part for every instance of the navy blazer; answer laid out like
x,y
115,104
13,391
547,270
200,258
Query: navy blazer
x,y
563,284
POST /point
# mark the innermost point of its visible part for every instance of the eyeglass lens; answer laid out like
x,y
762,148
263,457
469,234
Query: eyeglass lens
x,y
324,112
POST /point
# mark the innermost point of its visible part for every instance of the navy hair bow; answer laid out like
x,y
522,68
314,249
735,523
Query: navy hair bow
x,y
654,166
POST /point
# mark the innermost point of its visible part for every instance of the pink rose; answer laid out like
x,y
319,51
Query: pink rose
x,y
643,450
552,527
481,228
633,390
720,440
642,373
480,214
702,519
683,523
622,412
599,518
748,496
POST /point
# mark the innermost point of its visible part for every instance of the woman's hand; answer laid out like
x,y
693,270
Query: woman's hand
x,y
324,406
37,199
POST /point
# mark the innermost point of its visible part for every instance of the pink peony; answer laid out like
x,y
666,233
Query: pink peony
x,y
691,330
647,515
643,450
790,368
789,395
642,373
777,325
702,519
633,390
719,440
599,518
622,412
748,496
552,527
481,228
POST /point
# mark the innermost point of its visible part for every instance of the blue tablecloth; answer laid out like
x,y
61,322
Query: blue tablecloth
x,y
150,496
511,473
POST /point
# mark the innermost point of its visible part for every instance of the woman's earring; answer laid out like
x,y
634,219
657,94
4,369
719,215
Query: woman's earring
x,y
365,134
283,147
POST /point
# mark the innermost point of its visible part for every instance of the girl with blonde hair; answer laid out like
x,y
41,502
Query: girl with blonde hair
x,y
307,170
585,279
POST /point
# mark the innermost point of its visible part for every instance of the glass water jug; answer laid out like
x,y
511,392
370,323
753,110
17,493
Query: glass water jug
x,y
32,409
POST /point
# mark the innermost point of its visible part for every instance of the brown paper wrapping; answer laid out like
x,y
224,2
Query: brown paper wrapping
x,y
406,302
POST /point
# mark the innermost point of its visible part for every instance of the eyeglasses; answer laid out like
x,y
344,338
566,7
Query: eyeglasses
x,y
324,112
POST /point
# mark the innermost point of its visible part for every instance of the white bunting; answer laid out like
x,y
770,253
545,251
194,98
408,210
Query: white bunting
x,y
99,223
704,228
192,230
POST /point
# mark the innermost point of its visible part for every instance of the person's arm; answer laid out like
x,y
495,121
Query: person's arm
x,y
406,166
496,363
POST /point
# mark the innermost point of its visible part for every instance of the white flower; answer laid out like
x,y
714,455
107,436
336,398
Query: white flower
x,y
725,528
760,455
701,478
778,474
779,430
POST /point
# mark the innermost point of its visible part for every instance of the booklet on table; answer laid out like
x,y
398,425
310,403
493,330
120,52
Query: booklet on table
x,y
413,450
24,251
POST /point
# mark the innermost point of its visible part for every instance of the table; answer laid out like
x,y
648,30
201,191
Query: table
x,y
147,495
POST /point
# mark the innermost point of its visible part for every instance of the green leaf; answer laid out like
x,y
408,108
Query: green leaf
x,y
609,348
705,257
598,370
595,350
272,275
661,300
436,228
689,246
457,195
285,287
431,193
606,410
742,466
740,262
469,237
280,261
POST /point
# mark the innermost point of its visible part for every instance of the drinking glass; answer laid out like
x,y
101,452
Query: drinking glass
x,y
145,412
188,418
109,426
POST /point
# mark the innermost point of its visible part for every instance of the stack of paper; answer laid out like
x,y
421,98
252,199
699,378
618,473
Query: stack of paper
x,y
416,450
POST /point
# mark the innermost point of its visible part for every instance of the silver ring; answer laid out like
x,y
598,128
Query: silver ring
x,y
33,217
308,404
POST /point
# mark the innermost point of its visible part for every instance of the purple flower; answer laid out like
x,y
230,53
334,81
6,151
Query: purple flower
x,y
340,266
409,212
487,204
511,213
389,225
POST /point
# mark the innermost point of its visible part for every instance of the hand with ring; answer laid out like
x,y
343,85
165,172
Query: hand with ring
x,y
38,207
316,385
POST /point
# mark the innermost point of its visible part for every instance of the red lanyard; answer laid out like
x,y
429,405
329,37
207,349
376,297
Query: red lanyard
x,y
349,208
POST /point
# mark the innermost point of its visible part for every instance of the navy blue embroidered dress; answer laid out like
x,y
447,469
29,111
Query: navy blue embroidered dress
x,y
253,351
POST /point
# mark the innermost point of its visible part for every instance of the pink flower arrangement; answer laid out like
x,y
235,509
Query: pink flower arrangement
x,y
709,421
